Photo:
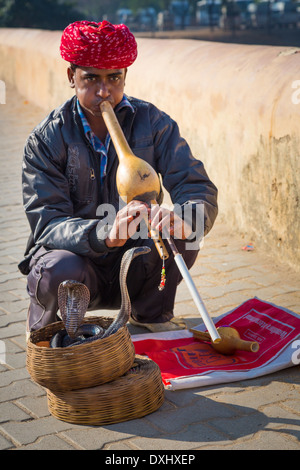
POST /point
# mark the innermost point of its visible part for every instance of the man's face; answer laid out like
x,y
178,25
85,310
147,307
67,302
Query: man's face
x,y
92,86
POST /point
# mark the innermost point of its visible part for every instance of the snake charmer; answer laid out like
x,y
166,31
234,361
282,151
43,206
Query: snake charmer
x,y
69,185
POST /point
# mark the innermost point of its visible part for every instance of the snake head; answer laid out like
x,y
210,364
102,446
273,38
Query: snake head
x,y
73,301
140,250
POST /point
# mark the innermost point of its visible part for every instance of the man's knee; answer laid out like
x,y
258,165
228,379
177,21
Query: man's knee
x,y
54,267
64,264
48,270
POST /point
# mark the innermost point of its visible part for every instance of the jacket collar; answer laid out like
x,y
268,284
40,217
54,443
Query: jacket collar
x,y
125,114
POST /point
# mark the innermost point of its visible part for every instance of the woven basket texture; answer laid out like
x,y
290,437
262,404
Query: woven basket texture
x,y
137,393
81,366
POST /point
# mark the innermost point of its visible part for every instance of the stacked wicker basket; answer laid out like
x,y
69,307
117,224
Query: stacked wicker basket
x,y
96,383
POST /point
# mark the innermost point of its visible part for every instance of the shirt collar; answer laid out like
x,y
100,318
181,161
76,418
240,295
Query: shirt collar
x,y
123,103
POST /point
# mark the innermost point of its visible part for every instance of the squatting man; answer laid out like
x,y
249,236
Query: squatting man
x,y
69,172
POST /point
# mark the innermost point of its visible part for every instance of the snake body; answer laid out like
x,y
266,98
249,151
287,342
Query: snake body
x,y
73,301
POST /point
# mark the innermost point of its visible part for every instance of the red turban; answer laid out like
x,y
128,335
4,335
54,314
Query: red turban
x,y
100,45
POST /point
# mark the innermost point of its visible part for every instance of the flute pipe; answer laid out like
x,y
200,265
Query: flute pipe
x,y
124,153
156,237
211,328
200,334
116,133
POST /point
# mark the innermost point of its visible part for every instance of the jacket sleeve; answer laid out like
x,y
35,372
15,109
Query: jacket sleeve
x,y
47,200
184,176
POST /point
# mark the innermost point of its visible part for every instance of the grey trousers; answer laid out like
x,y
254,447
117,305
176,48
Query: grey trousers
x,y
48,268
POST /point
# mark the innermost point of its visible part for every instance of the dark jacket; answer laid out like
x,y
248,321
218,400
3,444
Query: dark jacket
x,y
61,176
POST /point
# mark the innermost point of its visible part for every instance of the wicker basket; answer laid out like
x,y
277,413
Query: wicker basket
x,y
81,366
137,393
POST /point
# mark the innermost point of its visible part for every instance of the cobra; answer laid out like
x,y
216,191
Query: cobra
x,y
73,301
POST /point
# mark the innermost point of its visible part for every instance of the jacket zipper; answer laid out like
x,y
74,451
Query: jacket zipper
x,y
92,174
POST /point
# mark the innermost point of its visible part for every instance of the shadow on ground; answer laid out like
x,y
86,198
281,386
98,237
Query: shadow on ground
x,y
188,416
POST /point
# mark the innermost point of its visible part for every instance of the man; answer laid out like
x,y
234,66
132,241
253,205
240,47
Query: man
x,y
69,175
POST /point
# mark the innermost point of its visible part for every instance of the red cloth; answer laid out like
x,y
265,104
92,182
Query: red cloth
x,y
100,45
274,328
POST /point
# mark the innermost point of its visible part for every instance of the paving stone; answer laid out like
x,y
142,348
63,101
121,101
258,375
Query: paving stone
x,y
294,405
15,318
202,410
263,440
247,425
11,285
9,276
5,444
9,411
17,305
15,355
256,398
48,443
8,296
20,388
192,437
27,432
268,440
127,445
98,437
10,376
14,329
281,418
20,294
35,406
8,268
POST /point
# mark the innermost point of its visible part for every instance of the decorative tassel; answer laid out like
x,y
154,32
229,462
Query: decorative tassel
x,y
163,276
162,279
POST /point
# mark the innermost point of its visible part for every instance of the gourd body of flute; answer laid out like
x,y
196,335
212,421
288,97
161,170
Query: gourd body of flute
x,y
136,179
231,342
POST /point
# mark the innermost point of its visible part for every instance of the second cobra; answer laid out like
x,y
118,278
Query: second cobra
x,y
73,300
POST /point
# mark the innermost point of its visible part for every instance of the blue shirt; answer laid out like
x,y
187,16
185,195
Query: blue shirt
x,y
100,147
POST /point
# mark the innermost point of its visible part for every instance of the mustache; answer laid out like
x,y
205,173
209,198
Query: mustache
x,y
111,101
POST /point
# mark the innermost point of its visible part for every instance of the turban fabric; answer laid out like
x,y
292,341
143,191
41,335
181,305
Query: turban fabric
x,y
99,45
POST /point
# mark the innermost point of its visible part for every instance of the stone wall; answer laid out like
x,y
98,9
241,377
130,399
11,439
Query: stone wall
x,y
237,106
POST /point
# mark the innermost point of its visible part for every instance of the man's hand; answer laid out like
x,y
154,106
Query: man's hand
x,y
160,219
167,222
126,223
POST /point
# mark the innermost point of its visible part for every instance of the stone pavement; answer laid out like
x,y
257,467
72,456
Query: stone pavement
x,y
258,414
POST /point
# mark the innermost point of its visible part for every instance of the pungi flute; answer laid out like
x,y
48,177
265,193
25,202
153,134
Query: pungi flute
x,y
136,179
